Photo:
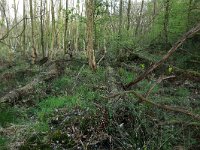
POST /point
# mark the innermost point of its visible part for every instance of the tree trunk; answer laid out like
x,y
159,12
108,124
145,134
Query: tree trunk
x,y
89,34
76,45
189,13
41,28
58,35
120,19
24,28
166,23
139,18
128,14
53,24
15,12
154,7
66,27
34,53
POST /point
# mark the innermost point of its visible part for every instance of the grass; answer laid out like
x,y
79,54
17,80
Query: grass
x,y
9,115
73,90
182,92
3,142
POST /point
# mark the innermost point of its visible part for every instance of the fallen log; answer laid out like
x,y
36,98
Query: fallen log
x,y
111,80
192,75
13,97
189,34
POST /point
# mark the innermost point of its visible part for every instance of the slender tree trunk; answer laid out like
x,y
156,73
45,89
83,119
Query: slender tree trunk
x,y
47,34
15,12
53,26
41,28
76,45
34,53
189,13
128,14
24,28
89,34
66,28
120,19
166,23
139,18
154,7
58,34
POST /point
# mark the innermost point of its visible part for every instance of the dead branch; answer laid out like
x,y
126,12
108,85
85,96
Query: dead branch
x,y
164,107
195,124
76,78
157,82
189,34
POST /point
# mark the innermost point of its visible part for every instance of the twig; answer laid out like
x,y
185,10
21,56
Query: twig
x,y
157,82
179,123
100,60
78,76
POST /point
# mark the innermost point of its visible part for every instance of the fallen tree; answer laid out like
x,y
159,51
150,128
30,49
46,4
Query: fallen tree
x,y
55,69
189,34
194,75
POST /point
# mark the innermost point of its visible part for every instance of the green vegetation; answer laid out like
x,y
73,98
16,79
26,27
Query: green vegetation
x,y
99,75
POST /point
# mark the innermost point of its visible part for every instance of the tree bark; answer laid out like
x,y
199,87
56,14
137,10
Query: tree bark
x,y
166,23
24,28
90,34
53,26
34,52
128,14
139,18
66,28
41,28
120,19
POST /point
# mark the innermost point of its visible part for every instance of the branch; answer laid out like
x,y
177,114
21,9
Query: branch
x,y
189,34
164,107
157,82
6,35
8,32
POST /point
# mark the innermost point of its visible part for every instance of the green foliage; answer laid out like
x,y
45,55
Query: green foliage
x,y
182,92
46,107
62,83
3,142
126,75
9,115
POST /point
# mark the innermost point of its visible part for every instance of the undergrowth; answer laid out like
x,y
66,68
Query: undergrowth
x,y
75,115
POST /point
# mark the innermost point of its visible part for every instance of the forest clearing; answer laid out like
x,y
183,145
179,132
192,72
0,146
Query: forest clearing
x,y
100,75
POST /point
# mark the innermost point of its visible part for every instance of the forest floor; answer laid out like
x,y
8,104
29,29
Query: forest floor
x,y
75,110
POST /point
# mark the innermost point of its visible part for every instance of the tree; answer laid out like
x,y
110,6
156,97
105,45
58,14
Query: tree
x,y
166,23
34,52
139,18
66,27
120,18
24,27
53,25
128,14
41,28
89,34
